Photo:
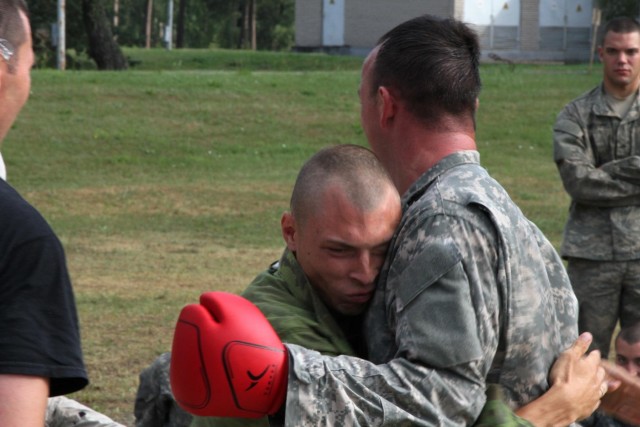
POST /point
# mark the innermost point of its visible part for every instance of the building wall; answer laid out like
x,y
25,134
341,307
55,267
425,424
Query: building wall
x,y
530,25
308,23
565,26
534,35
367,20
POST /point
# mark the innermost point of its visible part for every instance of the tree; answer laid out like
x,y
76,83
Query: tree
x,y
612,8
248,35
200,24
269,21
42,14
103,49
182,12
147,28
274,29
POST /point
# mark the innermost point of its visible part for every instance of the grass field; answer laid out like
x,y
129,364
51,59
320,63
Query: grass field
x,y
169,179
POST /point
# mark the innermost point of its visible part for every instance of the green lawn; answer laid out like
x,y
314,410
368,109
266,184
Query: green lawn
x,y
169,179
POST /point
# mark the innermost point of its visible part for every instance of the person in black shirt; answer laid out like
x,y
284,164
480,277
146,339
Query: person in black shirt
x,y
40,352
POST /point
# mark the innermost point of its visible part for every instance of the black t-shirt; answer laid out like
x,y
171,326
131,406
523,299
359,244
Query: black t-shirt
x,y
39,332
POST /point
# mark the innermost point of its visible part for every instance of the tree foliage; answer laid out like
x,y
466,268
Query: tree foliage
x,y
103,48
43,16
202,24
612,8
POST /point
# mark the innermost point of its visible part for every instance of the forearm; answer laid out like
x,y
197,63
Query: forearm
x,y
550,409
599,187
589,181
577,385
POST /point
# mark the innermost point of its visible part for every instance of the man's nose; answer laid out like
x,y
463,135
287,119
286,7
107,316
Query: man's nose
x,y
366,268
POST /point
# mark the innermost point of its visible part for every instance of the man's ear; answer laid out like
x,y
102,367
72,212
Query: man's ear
x,y
288,228
387,106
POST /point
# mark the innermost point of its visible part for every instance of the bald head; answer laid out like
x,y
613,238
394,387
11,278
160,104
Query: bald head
x,y
352,168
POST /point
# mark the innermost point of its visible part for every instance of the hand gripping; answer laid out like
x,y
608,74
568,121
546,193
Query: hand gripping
x,y
226,359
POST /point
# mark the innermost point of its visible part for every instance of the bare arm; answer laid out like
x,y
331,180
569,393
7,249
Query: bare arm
x,y
23,400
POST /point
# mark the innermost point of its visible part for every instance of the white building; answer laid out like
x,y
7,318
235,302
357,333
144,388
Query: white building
x,y
531,30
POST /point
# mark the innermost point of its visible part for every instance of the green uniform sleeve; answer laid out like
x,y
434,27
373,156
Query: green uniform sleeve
x,y
496,412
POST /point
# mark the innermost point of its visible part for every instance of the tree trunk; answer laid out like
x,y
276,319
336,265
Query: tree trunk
x,y
116,18
103,49
246,13
254,13
147,29
182,13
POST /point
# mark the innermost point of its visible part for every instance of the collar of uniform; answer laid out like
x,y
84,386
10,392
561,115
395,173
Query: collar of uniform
x,y
421,184
601,106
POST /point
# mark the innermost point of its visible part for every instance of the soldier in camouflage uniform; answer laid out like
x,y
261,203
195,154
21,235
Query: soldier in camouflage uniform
x,y
336,243
344,210
471,292
597,150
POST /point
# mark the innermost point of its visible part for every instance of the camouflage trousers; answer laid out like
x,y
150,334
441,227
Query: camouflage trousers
x,y
65,412
155,405
607,291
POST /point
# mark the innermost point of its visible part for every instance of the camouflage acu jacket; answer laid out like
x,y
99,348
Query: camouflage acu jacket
x,y
471,292
598,157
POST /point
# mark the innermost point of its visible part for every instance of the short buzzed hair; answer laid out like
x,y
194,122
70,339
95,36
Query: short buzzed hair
x,y
355,168
433,64
630,334
621,25
12,31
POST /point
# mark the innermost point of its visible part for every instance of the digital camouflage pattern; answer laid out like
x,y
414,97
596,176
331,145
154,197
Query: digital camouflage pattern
x,y
600,287
471,293
598,157
284,294
65,412
154,405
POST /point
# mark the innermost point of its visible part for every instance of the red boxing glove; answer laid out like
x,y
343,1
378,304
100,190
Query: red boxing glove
x,y
226,359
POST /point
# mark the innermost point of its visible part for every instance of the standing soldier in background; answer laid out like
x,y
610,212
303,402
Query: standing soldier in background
x,y
597,151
